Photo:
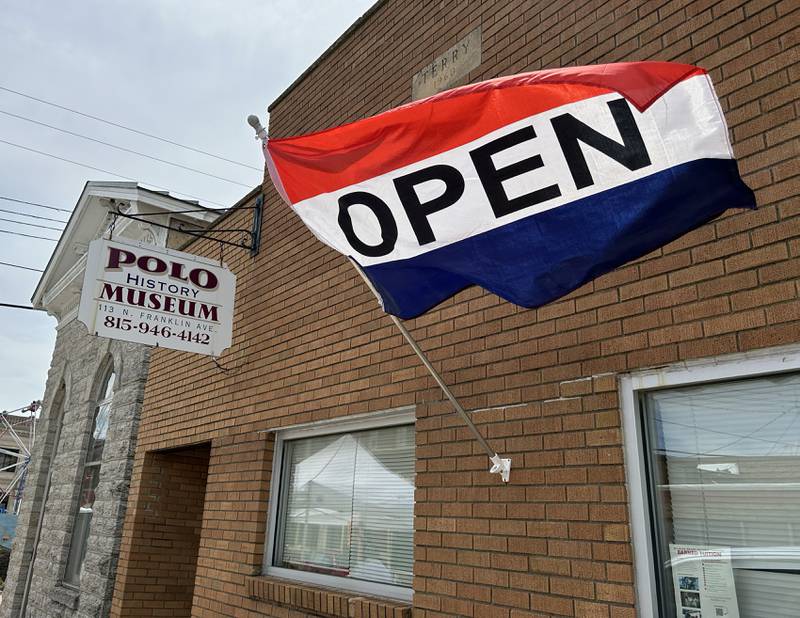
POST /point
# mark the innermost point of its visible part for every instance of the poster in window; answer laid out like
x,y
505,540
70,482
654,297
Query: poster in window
x,y
703,581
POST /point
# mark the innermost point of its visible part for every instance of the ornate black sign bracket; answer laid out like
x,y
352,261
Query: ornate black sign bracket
x,y
242,238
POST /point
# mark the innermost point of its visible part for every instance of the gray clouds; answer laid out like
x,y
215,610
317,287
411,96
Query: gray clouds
x,y
188,71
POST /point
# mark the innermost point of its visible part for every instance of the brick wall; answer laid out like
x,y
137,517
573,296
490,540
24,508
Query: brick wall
x,y
311,344
167,523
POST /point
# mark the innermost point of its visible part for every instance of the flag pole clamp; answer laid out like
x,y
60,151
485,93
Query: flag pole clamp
x,y
501,466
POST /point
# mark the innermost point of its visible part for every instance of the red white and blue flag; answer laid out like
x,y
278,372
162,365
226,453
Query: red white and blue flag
x,y
528,185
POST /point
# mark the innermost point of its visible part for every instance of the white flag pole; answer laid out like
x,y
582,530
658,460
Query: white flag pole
x,y
500,465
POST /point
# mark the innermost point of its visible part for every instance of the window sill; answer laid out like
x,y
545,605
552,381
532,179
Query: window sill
x,y
68,597
321,601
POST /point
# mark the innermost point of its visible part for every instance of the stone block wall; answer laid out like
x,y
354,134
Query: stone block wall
x,y
79,364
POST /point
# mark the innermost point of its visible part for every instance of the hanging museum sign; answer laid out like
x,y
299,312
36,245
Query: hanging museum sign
x,y
156,296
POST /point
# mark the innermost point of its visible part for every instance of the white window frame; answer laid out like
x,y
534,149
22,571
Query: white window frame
x,y
389,418
717,369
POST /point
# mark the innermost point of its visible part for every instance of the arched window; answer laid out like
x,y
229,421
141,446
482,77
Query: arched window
x,y
89,481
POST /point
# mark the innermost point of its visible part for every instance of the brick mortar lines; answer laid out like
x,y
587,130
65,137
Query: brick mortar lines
x,y
306,356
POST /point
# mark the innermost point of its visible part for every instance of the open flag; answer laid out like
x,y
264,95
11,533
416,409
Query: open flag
x,y
528,185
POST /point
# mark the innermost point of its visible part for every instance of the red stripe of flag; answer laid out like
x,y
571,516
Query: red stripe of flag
x,y
328,160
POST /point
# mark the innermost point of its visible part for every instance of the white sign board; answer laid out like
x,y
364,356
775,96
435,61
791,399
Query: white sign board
x,y
703,579
145,294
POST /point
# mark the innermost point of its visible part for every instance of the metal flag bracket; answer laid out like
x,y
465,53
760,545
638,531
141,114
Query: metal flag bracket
x,y
501,466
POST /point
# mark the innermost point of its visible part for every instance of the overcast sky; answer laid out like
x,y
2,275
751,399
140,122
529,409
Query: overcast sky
x,y
187,71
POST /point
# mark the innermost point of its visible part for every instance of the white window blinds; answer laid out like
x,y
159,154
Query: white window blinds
x,y
725,460
347,505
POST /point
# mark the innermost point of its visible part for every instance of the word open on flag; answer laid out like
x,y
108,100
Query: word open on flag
x,y
528,185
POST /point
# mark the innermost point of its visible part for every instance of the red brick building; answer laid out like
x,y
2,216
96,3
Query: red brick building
x,y
650,412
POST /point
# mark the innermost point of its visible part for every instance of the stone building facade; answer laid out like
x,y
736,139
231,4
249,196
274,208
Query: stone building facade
x,y
567,390
64,557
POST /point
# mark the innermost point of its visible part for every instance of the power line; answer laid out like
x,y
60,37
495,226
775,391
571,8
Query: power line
x,y
38,225
99,169
12,306
11,199
25,214
28,235
38,270
140,154
121,126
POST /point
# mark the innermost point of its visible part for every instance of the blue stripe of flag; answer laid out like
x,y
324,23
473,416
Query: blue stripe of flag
x,y
538,259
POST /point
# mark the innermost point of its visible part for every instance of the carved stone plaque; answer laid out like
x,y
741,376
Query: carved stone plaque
x,y
449,68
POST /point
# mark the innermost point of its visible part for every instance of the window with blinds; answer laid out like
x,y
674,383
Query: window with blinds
x,y
346,505
724,472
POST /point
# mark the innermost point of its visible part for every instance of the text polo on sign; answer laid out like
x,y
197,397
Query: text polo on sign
x,y
156,296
